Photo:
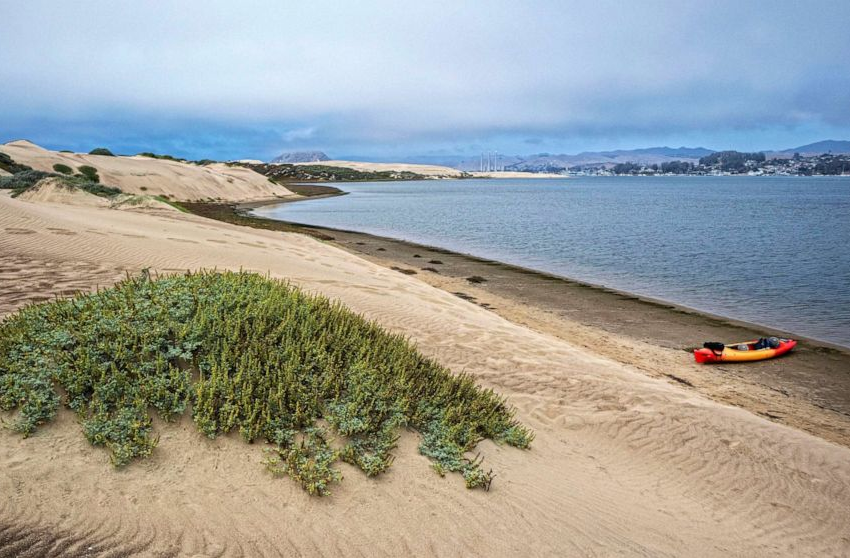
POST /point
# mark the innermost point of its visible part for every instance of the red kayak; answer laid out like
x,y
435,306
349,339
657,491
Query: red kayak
x,y
747,351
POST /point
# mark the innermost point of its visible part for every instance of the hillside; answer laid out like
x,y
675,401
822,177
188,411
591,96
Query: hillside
x,y
301,157
826,146
550,162
144,175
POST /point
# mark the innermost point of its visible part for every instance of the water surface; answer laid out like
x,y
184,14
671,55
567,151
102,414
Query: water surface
x,y
770,250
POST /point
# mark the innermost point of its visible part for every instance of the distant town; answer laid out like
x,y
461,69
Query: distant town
x,y
724,163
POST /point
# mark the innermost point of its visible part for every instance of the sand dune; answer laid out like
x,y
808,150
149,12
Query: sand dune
x,y
144,175
623,464
54,190
57,191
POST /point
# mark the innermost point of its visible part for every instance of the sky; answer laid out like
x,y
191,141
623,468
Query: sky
x,y
391,79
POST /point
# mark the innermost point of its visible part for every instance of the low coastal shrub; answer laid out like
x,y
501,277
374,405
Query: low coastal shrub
x,y
166,157
9,165
101,151
63,169
251,354
22,181
89,172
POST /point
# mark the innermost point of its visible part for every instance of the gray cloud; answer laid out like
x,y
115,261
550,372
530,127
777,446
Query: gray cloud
x,y
380,75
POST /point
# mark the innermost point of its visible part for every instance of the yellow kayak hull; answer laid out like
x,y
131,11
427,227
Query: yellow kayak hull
x,y
730,354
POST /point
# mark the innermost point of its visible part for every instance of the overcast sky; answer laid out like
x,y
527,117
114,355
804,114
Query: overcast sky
x,y
387,79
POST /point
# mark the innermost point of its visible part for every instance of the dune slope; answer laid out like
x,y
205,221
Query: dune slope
x,y
622,463
144,175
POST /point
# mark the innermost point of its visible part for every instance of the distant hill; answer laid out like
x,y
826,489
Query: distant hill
x,y
548,162
301,157
675,152
826,146
650,155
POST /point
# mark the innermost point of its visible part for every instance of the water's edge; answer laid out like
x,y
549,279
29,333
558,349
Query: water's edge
x,y
654,301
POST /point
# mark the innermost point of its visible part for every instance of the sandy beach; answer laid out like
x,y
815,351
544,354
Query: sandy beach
x,y
627,459
810,391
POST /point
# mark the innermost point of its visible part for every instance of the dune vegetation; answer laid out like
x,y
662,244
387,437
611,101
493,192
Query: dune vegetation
x,y
25,180
315,381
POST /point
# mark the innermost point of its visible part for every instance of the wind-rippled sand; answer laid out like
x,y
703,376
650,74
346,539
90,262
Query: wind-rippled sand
x,y
622,464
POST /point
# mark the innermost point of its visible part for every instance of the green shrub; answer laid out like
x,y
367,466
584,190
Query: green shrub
x,y
9,165
21,181
95,188
247,353
165,157
101,151
89,173
64,169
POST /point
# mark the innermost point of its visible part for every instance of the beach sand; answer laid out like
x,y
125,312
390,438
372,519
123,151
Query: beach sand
x,y
624,463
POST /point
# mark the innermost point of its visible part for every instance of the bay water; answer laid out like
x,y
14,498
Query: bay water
x,y
768,250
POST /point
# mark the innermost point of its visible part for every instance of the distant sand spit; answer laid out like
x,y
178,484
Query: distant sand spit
x,y
622,463
432,171
144,175
516,174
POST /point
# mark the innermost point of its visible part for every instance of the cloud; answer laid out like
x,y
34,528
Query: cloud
x,y
387,75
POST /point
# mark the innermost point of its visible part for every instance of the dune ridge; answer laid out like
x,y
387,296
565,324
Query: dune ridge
x,y
145,175
622,463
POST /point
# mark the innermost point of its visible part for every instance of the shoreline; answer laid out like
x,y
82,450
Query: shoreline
x,y
247,210
808,389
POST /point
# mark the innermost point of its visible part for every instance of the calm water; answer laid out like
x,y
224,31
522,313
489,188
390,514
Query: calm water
x,y
772,250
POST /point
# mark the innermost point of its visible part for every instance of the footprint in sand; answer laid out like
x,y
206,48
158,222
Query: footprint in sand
x,y
15,230
186,240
